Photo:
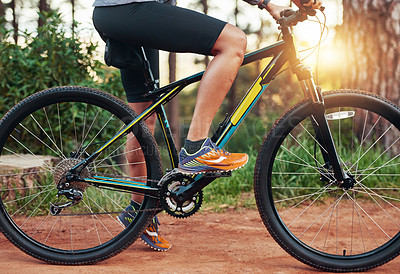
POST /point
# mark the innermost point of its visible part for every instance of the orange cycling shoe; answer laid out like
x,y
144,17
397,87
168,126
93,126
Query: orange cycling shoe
x,y
210,158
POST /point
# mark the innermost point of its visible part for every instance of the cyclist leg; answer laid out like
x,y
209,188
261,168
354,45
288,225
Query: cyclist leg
x,y
176,29
133,82
200,154
228,51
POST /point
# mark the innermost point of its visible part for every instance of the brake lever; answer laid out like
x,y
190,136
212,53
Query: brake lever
x,y
309,10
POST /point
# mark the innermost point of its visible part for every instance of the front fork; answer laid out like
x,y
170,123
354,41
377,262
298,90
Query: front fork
x,y
321,127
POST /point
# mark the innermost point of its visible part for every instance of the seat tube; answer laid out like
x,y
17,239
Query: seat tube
x,y
167,134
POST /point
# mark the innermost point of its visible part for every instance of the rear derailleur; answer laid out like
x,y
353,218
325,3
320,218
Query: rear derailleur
x,y
67,188
75,197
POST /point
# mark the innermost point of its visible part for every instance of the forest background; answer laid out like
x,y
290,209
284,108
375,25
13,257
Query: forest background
x,y
46,43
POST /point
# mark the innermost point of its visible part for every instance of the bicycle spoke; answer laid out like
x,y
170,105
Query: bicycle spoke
x,y
380,137
387,214
123,145
377,169
302,160
88,131
35,209
326,215
72,219
325,190
59,126
319,195
30,152
98,132
322,214
35,196
372,219
306,150
102,224
335,204
40,140
51,230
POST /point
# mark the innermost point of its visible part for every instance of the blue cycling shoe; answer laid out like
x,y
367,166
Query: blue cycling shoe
x,y
150,236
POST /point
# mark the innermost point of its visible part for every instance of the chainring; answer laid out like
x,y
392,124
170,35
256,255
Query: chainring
x,y
170,200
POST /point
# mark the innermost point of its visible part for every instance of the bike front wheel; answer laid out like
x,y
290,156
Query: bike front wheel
x,y
41,139
317,220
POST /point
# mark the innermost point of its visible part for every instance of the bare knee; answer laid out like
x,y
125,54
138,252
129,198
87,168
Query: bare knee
x,y
232,41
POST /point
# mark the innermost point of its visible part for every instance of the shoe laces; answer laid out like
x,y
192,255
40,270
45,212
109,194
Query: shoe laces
x,y
154,224
220,151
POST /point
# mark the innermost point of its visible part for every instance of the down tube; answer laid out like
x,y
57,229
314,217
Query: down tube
x,y
250,99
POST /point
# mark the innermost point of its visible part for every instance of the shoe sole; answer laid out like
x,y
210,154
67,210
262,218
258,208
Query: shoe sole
x,y
209,171
155,248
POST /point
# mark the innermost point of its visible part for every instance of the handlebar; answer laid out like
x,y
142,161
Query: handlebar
x,y
290,18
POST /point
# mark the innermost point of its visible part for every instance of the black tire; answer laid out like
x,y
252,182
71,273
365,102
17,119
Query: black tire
x,y
45,135
316,220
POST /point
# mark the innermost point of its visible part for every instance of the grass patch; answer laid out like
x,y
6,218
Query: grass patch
x,y
235,191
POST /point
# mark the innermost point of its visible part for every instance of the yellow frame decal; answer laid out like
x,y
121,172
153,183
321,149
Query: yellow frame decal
x,y
248,100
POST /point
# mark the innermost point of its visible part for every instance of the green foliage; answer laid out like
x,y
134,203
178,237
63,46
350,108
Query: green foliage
x,y
229,190
249,135
248,139
49,58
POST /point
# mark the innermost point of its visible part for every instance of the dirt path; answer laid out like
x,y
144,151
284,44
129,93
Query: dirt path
x,y
230,242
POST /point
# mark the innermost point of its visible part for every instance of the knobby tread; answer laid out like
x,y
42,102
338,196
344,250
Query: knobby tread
x,y
156,159
258,197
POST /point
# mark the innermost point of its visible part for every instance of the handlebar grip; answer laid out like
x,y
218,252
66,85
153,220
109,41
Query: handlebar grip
x,y
287,13
310,11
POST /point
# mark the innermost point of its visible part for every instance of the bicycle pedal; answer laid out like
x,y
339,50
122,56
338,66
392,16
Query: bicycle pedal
x,y
218,174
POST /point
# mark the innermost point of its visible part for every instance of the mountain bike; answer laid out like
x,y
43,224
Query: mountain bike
x,y
325,180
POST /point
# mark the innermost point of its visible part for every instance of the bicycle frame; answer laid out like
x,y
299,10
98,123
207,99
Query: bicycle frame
x,y
281,52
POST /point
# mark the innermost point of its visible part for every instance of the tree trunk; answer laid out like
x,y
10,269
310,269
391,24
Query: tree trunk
x,y
73,16
372,43
2,19
14,21
43,7
173,106
372,39
2,10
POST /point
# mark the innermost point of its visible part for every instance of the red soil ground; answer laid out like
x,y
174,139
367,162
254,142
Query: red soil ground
x,y
229,242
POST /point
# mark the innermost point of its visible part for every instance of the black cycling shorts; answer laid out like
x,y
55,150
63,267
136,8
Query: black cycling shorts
x,y
155,26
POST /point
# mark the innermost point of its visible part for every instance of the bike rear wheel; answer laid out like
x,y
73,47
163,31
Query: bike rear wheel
x,y
43,137
318,221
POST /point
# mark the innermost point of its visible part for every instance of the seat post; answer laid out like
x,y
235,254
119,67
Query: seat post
x,y
151,83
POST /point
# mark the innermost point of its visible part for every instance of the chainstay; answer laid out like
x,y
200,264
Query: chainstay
x,y
126,177
116,212
110,212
